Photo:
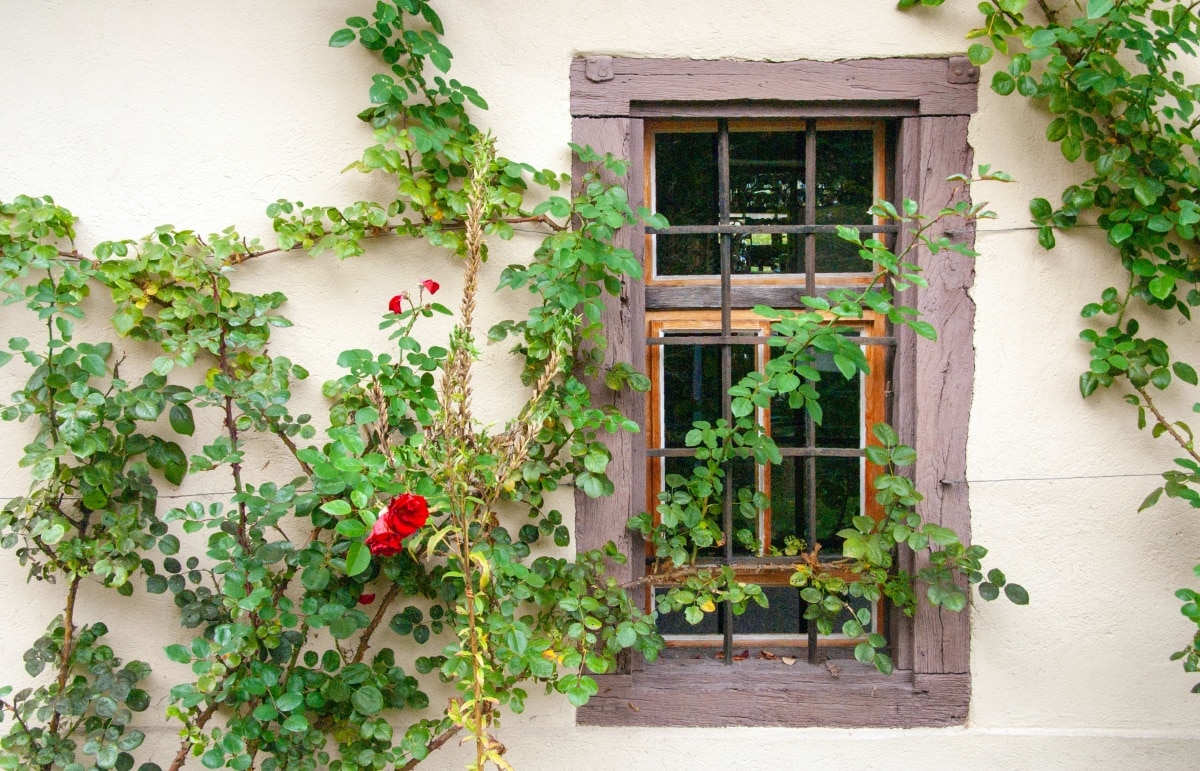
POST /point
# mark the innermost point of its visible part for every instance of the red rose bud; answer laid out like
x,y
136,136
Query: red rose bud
x,y
366,599
404,516
396,304
431,286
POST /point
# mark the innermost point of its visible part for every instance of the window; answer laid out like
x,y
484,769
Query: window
x,y
736,192
728,152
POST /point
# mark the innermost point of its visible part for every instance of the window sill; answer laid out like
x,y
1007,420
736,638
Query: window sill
x,y
771,693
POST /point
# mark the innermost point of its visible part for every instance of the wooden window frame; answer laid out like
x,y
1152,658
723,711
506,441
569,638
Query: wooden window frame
x,y
929,101
773,573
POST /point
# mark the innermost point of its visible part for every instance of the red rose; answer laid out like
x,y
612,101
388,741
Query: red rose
x,y
366,599
396,304
404,516
431,286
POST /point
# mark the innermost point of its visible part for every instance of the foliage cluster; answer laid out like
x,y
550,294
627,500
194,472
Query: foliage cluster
x,y
1114,76
276,584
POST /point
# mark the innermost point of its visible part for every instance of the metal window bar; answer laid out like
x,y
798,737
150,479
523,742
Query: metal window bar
x,y
723,195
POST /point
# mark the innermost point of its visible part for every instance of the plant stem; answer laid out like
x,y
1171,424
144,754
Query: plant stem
x,y
365,639
68,646
473,640
437,742
185,746
1187,446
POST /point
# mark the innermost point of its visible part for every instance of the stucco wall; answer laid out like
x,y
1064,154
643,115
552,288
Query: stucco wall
x,y
133,114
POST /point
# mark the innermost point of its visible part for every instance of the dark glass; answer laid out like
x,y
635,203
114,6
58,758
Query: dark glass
x,y
692,384
839,499
845,188
675,622
685,188
692,392
841,418
784,614
687,254
766,180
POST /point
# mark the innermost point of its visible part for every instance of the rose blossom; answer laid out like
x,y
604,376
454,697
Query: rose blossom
x,y
404,516
366,599
396,304
431,286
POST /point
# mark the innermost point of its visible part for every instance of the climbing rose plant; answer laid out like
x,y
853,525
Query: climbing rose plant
x,y
1110,75
410,543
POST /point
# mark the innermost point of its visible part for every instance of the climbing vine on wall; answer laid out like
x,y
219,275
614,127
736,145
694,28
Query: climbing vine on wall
x,y
1112,75
408,544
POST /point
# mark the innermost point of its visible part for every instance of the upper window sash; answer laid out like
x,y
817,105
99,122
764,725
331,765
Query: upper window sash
x,y
780,193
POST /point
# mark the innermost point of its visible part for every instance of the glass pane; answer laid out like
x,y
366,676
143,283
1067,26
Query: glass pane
x,y
845,188
784,614
747,532
675,623
690,254
839,499
787,504
685,188
685,177
763,253
691,377
766,178
841,416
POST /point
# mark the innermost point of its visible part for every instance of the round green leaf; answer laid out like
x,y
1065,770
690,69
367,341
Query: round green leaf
x,y
367,700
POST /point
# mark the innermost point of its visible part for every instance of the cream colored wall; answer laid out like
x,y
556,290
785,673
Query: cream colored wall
x,y
133,114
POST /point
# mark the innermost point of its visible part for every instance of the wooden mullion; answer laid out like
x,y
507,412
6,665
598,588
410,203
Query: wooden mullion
x,y
944,372
601,520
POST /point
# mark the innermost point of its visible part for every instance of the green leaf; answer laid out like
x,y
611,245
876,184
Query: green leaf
x,y
1120,232
979,54
181,419
342,38
989,591
1003,83
942,536
178,653
1016,594
337,508
358,559
1070,147
288,702
1097,8
351,528
367,700
924,329
265,712
295,724
1184,372
1151,499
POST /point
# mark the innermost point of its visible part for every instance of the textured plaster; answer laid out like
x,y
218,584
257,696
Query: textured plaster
x,y
133,114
